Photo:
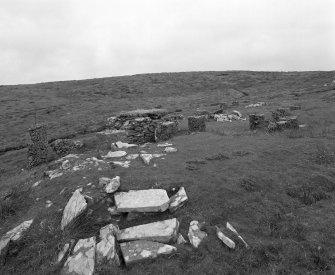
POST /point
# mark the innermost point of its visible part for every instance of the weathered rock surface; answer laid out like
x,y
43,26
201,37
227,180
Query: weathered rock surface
x,y
75,206
83,258
181,239
13,235
106,248
115,154
162,231
146,158
151,200
120,144
227,241
178,200
110,185
132,156
195,235
170,150
138,251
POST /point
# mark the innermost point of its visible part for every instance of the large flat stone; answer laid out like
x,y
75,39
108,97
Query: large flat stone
x,y
75,206
83,258
151,200
162,231
138,251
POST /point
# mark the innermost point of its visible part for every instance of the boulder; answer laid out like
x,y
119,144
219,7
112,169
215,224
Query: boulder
x,y
232,229
163,231
75,206
82,260
138,251
151,200
178,200
195,235
106,248
110,185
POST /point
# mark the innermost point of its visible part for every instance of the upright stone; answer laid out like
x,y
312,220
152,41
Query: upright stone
x,y
166,130
38,150
197,123
178,200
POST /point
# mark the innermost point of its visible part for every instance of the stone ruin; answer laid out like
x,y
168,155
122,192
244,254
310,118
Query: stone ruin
x,y
63,147
142,126
38,150
197,123
257,121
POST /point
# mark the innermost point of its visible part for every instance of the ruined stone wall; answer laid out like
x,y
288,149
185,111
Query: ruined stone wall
x,y
38,150
197,123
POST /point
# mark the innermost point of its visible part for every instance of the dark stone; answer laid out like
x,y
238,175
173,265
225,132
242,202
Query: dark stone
x,y
165,130
197,123
257,121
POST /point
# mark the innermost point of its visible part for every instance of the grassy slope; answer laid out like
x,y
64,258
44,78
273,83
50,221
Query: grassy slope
x,y
273,188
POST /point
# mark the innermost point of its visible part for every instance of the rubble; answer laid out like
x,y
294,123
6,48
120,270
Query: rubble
x,y
146,158
132,156
195,235
75,206
228,242
137,251
82,260
178,200
164,144
181,239
163,231
151,200
124,164
110,185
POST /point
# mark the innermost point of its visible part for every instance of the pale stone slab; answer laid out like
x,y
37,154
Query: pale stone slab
x,y
106,248
110,185
162,231
83,258
228,242
170,150
146,158
164,144
195,235
121,144
151,200
138,251
75,206
115,154
231,228
178,200
124,164
132,156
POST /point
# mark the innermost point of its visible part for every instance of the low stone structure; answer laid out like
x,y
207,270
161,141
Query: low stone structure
x,y
62,147
257,121
279,113
197,123
38,150
141,130
165,130
107,137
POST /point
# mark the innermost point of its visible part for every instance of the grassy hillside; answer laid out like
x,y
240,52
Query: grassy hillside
x,y
277,189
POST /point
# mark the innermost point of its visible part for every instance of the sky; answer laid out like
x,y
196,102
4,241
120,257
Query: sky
x,y
56,40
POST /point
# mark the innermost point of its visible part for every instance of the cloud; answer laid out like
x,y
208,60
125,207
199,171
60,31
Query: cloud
x,y
72,39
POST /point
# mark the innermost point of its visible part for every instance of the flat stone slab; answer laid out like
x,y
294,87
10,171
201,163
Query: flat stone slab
x,y
178,200
151,200
227,241
75,206
115,154
162,231
83,258
137,251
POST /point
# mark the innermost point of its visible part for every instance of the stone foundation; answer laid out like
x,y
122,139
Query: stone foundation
x,y
197,123
38,150
141,130
166,130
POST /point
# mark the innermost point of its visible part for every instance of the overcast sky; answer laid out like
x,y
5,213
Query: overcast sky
x,y
49,40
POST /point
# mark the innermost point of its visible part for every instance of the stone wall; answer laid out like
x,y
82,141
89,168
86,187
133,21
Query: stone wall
x,y
257,121
38,150
197,123
165,130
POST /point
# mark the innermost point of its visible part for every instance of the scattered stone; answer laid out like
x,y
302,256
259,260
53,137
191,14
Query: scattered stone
x,y
231,228
132,156
138,251
124,164
258,104
197,123
195,235
228,242
146,158
170,150
63,147
13,235
178,200
120,145
82,259
52,174
164,144
151,200
165,130
36,183
205,113
110,185
106,248
38,150
115,154
162,231
181,239
75,206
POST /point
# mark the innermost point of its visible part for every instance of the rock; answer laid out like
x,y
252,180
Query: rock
x,y
106,248
151,200
237,113
124,164
195,235
181,239
36,183
164,144
228,242
162,231
53,173
38,151
115,154
63,252
138,251
146,158
170,150
120,145
197,123
75,206
113,211
178,200
231,228
82,259
258,104
132,156
107,137
110,185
